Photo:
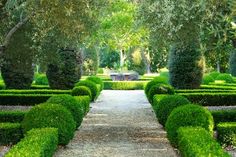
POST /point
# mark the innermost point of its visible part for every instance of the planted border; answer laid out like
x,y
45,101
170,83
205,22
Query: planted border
x,y
12,116
124,85
10,133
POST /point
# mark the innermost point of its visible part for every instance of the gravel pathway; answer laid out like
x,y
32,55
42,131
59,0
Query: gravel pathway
x,y
120,124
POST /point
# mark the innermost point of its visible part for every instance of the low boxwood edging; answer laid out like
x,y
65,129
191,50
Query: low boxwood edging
x,y
224,116
217,87
35,91
205,91
124,85
85,102
227,133
10,133
37,142
211,99
12,116
196,142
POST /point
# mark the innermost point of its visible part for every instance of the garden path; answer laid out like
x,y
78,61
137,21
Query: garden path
x,y
120,124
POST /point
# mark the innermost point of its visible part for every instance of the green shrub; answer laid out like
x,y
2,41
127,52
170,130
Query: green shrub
x,y
71,104
40,87
85,102
186,66
66,71
155,81
214,74
224,116
92,86
232,63
197,142
51,115
12,116
96,80
212,99
207,79
10,133
205,91
188,115
214,86
35,91
124,85
81,91
41,79
159,89
227,133
225,77
166,106
37,143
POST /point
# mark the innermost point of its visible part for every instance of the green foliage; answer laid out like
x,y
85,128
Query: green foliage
x,y
196,142
224,116
124,85
10,133
156,80
12,116
41,79
81,91
159,89
207,79
137,62
186,67
227,133
167,104
212,99
35,91
37,142
65,72
92,86
188,115
84,101
206,91
51,115
90,61
214,74
109,58
96,80
70,103
225,77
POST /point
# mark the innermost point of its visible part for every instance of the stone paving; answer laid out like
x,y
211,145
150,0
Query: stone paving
x,y
120,124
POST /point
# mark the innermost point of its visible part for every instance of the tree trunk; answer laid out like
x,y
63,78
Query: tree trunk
x,y
121,59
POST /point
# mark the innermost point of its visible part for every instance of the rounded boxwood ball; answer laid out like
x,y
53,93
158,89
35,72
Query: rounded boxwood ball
x,y
207,79
71,104
51,115
188,115
96,80
225,77
155,81
167,105
91,85
214,74
159,89
81,91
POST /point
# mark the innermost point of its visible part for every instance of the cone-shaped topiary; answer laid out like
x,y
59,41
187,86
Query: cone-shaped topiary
x,y
54,116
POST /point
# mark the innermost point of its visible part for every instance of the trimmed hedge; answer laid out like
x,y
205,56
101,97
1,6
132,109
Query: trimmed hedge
x,y
224,116
84,101
51,115
71,104
167,104
10,133
211,99
197,142
214,74
92,86
40,87
38,91
188,115
207,79
81,91
205,91
218,87
12,116
41,79
225,77
37,143
124,85
155,81
96,80
227,133
159,89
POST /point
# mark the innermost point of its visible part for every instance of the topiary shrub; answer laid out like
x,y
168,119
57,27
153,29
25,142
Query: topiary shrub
x,y
186,66
188,115
91,85
214,74
96,80
81,91
159,89
51,115
41,79
167,104
65,72
71,104
225,77
207,79
232,63
156,80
